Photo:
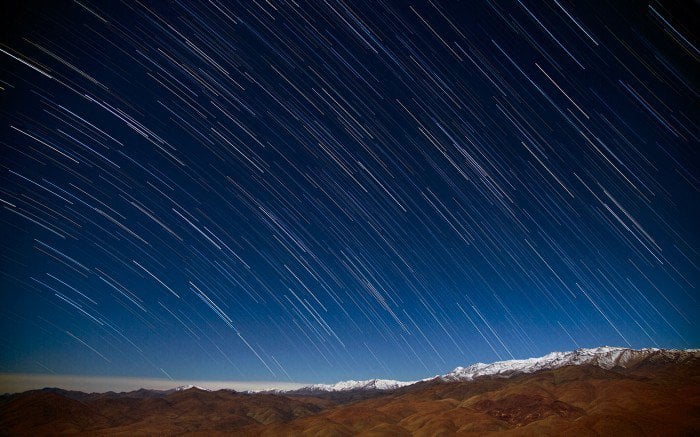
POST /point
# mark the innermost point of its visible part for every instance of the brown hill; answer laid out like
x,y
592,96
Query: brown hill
x,y
653,397
50,412
574,400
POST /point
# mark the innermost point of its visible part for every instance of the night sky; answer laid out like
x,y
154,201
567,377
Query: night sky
x,y
329,190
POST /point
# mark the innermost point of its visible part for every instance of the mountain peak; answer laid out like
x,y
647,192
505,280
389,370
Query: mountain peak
x,y
189,387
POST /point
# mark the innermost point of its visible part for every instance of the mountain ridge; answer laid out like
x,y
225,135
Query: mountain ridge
x,y
605,357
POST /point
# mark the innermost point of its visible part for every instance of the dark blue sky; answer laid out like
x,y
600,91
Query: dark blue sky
x,y
275,190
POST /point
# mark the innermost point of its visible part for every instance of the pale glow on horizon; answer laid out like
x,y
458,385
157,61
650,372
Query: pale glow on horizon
x,y
20,382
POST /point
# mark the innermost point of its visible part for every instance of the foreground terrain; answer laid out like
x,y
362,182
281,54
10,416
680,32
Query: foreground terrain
x,y
655,395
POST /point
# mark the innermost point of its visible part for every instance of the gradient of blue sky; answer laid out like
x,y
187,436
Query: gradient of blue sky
x,y
343,190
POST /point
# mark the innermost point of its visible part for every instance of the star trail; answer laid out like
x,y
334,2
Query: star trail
x,y
315,191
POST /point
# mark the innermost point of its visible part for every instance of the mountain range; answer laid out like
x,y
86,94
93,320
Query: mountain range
x,y
605,357
601,391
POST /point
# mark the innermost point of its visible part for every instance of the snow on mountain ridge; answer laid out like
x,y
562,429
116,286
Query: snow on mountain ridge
x,y
370,384
189,387
605,357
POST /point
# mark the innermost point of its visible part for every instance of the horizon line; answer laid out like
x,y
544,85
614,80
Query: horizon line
x,y
20,382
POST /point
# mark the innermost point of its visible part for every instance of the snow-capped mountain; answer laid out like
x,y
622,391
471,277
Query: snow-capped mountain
x,y
605,357
370,384
188,387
